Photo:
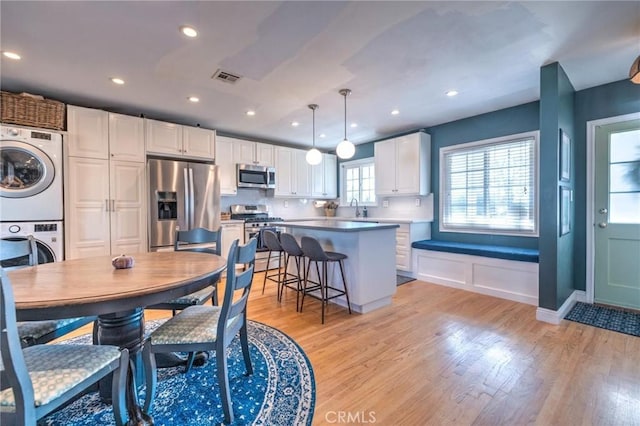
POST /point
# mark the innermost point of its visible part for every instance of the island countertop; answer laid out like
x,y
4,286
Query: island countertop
x,y
337,225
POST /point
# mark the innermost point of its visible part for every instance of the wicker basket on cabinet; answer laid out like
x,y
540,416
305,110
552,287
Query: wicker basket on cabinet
x,y
26,110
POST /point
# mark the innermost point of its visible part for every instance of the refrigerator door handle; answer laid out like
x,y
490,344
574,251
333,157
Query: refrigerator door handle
x,y
187,198
192,207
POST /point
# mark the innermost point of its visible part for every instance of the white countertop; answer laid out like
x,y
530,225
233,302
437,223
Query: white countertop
x,y
364,219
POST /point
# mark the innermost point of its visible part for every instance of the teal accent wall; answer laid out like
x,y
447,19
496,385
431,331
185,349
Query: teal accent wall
x,y
556,252
509,121
609,100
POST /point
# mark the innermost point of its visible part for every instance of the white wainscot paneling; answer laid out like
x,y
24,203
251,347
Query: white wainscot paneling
x,y
507,279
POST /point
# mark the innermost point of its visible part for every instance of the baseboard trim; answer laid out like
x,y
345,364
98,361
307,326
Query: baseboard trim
x,y
555,317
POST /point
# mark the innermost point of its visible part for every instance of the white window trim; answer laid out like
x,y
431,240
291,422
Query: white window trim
x,y
343,200
526,135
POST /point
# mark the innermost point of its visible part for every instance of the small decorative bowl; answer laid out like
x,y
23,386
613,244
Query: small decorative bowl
x,y
122,262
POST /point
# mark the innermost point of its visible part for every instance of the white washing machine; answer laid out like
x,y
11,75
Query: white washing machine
x,y
48,235
30,175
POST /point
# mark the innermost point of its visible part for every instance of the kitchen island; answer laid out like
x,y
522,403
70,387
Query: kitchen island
x,y
371,267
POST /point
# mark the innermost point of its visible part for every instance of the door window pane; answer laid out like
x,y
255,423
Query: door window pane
x,y
624,208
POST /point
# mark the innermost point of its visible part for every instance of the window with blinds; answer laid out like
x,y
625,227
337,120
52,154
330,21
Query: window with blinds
x,y
490,186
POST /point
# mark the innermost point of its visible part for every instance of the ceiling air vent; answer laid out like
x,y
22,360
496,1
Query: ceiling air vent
x,y
225,76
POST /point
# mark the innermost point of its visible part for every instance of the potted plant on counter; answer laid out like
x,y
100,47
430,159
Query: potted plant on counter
x,y
330,208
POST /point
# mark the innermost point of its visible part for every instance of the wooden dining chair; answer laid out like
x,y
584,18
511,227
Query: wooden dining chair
x,y
22,253
37,380
184,241
208,328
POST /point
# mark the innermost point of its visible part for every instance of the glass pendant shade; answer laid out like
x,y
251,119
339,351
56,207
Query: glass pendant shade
x,y
314,157
345,149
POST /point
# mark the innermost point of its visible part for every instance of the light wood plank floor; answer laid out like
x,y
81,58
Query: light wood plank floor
x,y
440,356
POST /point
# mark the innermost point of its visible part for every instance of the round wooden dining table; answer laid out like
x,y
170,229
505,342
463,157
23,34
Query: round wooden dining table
x,y
92,286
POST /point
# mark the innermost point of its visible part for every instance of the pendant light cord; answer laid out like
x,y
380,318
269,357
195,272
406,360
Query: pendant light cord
x,y
345,116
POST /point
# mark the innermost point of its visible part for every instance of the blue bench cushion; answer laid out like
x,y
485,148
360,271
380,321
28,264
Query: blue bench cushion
x,y
499,252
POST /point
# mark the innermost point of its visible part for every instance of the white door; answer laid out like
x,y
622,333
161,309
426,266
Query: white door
x,y
617,214
244,151
385,167
163,138
284,170
264,154
302,177
224,159
126,137
408,164
198,142
88,132
128,212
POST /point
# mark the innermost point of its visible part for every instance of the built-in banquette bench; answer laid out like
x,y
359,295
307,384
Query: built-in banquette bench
x,y
507,272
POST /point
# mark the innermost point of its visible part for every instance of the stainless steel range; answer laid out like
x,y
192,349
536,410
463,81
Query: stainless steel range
x,y
257,220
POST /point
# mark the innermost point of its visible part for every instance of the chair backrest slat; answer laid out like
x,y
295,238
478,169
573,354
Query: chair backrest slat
x,y
231,308
199,236
16,250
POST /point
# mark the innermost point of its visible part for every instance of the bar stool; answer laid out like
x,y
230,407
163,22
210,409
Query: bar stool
x,y
315,253
292,249
270,240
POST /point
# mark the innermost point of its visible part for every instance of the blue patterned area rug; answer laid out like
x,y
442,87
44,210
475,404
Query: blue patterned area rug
x,y
607,318
281,390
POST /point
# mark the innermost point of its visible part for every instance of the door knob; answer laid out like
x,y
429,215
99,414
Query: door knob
x,y
603,210
602,224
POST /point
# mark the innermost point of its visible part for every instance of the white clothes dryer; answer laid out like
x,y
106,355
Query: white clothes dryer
x,y
30,175
49,237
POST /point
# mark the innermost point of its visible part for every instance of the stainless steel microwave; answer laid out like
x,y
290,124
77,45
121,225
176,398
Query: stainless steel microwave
x,y
251,176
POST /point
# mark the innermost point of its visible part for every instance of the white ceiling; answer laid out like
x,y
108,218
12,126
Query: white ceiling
x,y
391,54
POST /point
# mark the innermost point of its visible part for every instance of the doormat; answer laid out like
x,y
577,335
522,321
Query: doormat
x,y
607,318
401,279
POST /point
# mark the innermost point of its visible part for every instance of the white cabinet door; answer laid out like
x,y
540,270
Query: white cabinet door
x,y
385,167
126,137
87,221
403,248
284,172
225,161
264,154
198,143
324,178
407,165
244,151
231,232
163,138
302,177
128,208
88,132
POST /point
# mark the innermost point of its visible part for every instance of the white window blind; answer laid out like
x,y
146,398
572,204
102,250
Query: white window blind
x,y
490,186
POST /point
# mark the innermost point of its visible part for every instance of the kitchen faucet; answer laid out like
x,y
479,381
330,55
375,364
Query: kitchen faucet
x,y
351,204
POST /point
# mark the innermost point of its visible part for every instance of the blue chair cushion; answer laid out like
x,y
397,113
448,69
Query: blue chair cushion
x,y
486,250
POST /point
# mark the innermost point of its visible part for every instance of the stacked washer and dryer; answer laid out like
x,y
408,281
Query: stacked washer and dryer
x,y
31,192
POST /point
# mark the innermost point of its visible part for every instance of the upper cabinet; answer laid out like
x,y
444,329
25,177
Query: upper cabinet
x,y
226,164
325,178
93,133
293,173
179,141
248,152
402,165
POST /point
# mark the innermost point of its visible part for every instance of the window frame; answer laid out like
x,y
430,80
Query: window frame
x,y
475,229
343,180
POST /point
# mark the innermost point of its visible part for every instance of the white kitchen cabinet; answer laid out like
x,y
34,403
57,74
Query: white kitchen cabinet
x,y
406,234
227,165
402,165
324,177
256,153
106,209
174,140
231,232
293,173
105,195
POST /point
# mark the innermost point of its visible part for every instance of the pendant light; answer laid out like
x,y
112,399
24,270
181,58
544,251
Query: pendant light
x,y
345,149
634,72
313,155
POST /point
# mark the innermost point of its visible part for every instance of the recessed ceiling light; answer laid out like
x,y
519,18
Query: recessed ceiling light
x,y
451,93
193,99
354,125
117,80
322,135
189,31
250,113
295,123
12,55
395,112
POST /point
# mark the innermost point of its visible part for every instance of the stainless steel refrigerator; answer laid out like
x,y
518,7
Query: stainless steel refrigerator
x,y
183,195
